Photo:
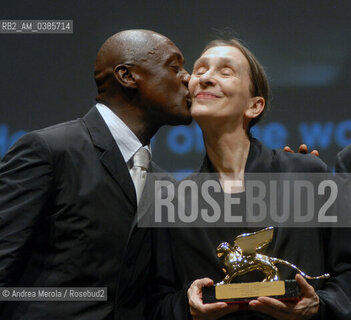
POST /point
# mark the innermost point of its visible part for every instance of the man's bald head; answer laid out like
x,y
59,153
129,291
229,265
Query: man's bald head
x,y
129,47
140,76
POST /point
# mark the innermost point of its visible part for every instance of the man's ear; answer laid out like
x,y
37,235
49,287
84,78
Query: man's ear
x,y
125,76
255,108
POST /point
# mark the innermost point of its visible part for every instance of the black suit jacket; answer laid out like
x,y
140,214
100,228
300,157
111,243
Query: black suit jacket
x,y
67,219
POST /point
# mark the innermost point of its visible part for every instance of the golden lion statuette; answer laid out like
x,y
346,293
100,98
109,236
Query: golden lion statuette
x,y
243,257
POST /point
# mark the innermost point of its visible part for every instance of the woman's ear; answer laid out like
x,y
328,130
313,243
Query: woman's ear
x,y
256,107
125,76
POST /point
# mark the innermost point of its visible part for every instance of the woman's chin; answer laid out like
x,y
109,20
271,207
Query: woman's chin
x,y
198,111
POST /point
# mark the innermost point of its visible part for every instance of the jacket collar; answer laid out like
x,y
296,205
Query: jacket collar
x,y
110,156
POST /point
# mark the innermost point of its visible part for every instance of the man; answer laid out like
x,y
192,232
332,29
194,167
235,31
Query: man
x,y
68,192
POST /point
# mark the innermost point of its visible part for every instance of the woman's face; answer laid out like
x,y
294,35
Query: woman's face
x,y
220,84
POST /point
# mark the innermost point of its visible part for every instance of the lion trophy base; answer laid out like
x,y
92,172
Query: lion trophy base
x,y
287,290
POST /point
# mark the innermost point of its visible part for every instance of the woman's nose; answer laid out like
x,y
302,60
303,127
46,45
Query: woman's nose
x,y
206,78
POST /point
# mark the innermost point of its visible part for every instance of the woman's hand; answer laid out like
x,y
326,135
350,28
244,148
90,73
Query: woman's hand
x,y
306,308
208,311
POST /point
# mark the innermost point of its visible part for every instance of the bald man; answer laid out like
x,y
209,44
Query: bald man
x,y
68,199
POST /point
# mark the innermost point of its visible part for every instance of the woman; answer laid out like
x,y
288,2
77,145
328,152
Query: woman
x,y
229,95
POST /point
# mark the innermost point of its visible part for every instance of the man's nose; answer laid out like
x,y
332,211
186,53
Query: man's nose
x,y
185,77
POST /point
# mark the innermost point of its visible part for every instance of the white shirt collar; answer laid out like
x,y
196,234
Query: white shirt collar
x,y
127,141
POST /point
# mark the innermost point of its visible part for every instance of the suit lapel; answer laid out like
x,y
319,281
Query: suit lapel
x,y
111,156
145,211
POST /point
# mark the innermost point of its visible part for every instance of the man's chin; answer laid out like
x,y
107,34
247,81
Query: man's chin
x,y
181,120
188,120
181,116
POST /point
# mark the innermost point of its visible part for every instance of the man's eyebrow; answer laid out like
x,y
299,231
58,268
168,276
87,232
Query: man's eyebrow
x,y
175,55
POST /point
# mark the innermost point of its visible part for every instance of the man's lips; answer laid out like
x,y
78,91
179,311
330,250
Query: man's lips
x,y
206,95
